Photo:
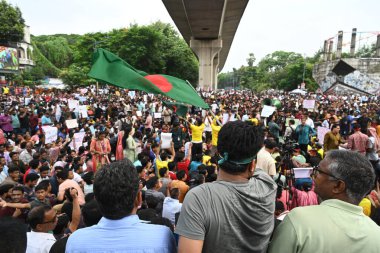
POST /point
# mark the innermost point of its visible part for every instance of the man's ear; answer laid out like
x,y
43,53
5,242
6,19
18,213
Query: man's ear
x,y
340,187
253,166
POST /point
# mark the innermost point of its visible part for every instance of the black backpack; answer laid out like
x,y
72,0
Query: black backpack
x,y
293,135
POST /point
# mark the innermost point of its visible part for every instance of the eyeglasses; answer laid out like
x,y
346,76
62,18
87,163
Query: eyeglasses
x,y
317,170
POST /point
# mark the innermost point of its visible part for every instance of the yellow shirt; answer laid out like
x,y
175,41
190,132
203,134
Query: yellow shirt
x,y
161,164
366,205
197,132
6,90
254,121
215,132
206,160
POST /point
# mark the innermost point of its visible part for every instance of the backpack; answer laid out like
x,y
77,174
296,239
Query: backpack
x,y
293,135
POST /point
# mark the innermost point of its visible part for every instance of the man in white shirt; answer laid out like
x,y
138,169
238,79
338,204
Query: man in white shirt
x,y
27,155
309,121
171,205
264,158
41,219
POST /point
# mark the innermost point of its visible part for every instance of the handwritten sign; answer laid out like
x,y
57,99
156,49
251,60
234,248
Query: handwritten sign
x,y
71,123
309,104
321,132
157,115
50,134
166,139
83,111
77,140
73,103
267,111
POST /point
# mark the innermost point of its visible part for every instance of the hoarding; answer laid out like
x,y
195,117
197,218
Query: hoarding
x,y
8,58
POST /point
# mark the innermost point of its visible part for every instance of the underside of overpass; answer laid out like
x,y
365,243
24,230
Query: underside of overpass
x,y
209,27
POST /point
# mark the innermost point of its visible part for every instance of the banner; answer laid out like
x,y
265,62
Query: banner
x,y
321,132
72,123
50,134
267,111
157,115
308,104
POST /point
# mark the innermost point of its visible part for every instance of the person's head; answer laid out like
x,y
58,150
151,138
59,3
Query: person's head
x,y
181,175
238,144
14,156
343,175
17,193
270,145
14,172
62,175
153,183
174,193
88,178
101,135
31,179
357,127
2,161
279,208
91,213
163,172
303,121
13,235
291,122
44,171
29,146
6,191
335,129
41,190
116,189
42,219
172,166
34,164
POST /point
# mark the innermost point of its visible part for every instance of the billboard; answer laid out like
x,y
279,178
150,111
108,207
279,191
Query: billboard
x,y
8,58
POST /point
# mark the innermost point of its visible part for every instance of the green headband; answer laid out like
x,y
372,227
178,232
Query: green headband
x,y
239,162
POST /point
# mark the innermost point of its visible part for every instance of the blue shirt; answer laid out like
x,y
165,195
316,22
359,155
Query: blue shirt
x,y
128,234
304,133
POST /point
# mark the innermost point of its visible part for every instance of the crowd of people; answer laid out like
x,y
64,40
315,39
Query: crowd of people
x,y
130,173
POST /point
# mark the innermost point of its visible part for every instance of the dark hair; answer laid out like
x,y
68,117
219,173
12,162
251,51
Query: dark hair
x,y
171,166
63,174
180,174
44,168
36,215
13,168
5,188
116,187
279,206
355,170
174,193
31,177
151,182
162,221
12,154
270,143
238,140
67,208
164,155
18,188
91,213
163,171
34,163
334,126
13,235
88,177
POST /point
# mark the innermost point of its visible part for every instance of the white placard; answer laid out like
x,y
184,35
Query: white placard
x,y
77,140
50,134
83,91
132,93
138,113
71,123
82,98
309,104
27,101
73,103
302,172
321,132
267,111
166,139
83,111
157,115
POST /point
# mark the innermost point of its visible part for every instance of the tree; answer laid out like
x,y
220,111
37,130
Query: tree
x,y
74,75
11,23
57,51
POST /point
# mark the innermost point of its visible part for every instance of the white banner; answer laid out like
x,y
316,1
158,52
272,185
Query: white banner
x,y
166,139
72,123
83,111
267,111
73,103
321,132
77,140
309,104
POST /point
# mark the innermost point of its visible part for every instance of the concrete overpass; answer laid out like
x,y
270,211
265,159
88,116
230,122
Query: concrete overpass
x,y
209,27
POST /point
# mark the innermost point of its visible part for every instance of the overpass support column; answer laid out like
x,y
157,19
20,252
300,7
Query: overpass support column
x,y
206,50
215,72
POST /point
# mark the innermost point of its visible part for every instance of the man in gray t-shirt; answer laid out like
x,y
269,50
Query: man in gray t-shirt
x,y
235,213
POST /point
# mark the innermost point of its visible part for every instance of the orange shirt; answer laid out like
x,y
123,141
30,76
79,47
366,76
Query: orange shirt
x,y
182,187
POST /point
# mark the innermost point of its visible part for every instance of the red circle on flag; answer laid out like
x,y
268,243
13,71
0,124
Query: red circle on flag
x,y
161,82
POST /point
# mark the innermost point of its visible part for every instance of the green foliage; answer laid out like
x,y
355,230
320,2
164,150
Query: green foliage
x,y
11,23
43,67
57,51
279,70
74,75
366,51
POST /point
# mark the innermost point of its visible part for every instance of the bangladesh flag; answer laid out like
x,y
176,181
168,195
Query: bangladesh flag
x,y
179,108
111,69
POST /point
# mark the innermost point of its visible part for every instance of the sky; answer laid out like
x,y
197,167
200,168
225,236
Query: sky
x,y
267,25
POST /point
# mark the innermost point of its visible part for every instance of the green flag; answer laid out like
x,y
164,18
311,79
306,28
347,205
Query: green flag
x,y
179,108
111,69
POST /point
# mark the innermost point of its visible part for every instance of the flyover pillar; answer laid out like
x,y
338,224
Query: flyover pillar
x,y
206,50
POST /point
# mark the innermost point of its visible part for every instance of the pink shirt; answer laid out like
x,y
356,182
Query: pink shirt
x,y
302,198
68,183
358,142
